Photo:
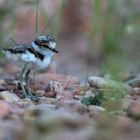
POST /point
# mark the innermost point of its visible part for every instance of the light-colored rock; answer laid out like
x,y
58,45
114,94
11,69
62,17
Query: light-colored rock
x,y
96,108
26,102
111,88
77,97
60,118
72,105
54,86
10,97
45,100
39,92
2,81
134,110
44,107
4,108
65,95
137,91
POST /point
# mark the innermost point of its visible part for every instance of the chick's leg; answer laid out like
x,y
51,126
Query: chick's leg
x,y
21,79
30,95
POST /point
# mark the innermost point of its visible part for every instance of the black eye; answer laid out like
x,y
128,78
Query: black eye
x,y
44,40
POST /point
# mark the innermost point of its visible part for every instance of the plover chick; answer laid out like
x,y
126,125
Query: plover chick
x,y
36,55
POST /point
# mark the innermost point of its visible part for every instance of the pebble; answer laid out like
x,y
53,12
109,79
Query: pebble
x,y
45,100
73,105
77,97
26,102
54,86
2,82
40,93
134,110
50,94
44,107
10,97
75,89
89,94
4,109
95,111
57,119
137,91
65,95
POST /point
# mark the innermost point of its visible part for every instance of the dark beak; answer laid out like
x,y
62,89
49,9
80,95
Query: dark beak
x,y
55,50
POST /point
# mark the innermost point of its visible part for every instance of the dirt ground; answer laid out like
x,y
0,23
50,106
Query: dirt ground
x,y
80,98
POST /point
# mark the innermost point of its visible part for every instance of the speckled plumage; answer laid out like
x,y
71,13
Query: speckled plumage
x,y
19,48
35,55
39,52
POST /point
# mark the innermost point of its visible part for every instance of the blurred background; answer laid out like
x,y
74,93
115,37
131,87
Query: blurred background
x,y
95,37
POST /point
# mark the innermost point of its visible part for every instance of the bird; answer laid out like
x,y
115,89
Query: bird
x,y
36,55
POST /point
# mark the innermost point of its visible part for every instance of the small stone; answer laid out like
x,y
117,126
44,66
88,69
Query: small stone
x,y
89,94
95,81
4,109
134,110
95,108
116,89
40,93
44,107
72,105
61,118
124,122
50,94
126,103
95,111
10,97
136,94
137,91
135,97
11,129
65,95
26,102
2,82
75,89
82,93
134,82
44,100
54,86
38,110
77,97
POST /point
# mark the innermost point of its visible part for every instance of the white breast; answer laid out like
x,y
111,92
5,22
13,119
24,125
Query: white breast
x,y
28,57
37,63
42,64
